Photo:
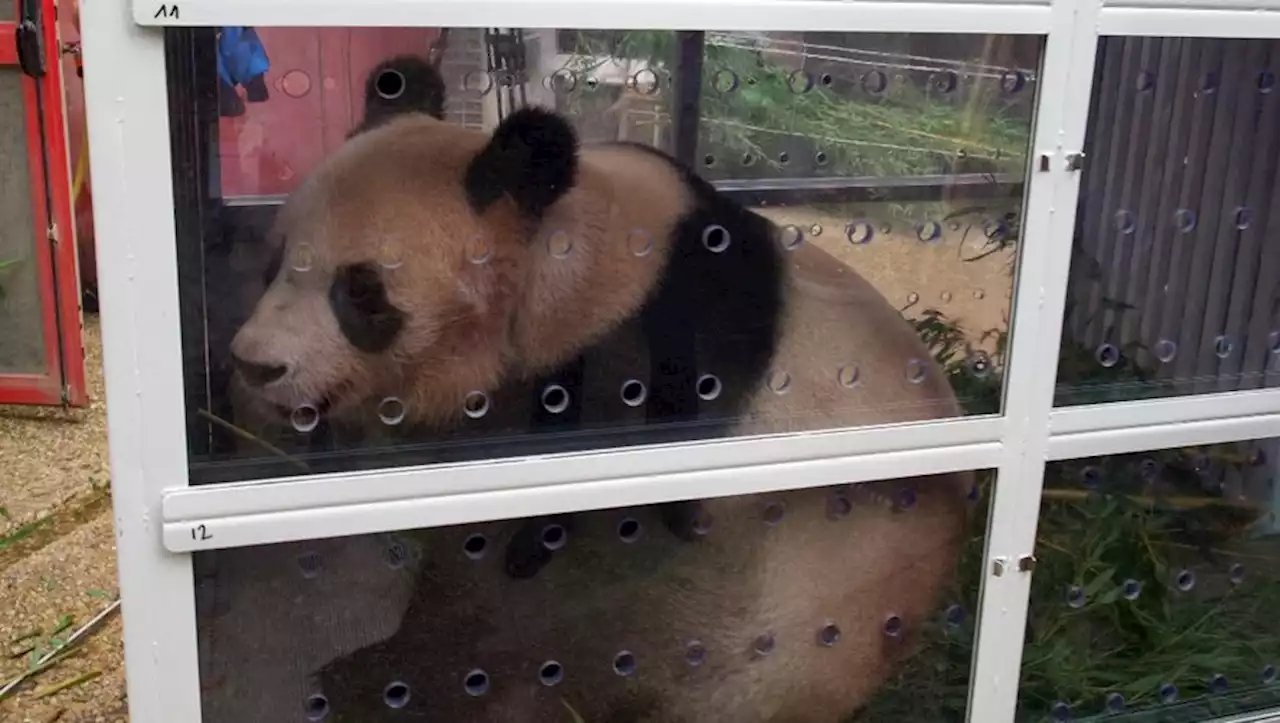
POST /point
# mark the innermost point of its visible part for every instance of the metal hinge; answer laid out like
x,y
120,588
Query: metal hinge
x,y
1075,161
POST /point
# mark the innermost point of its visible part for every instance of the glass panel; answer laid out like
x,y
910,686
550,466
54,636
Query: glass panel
x,y
1155,593
1174,272
22,348
419,299
819,602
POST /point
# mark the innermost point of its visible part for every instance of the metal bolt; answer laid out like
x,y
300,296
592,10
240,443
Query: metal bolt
x,y
1044,162
997,566
1026,563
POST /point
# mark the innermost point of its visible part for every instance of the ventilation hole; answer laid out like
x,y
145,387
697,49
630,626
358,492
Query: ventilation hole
x,y
860,233
708,387
565,81
791,237
391,411
815,229
395,555
1115,702
476,683
945,296
317,707
1243,218
748,160
388,255
979,364
825,79
709,160
893,626
820,158
929,231
475,546
913,298
305,418
396,695
779,382
302,257
639,242
1060,712
1209,83
311,565
1145,81
1108,355
478,81
593,83
946,82
1268,674
915,371
629,530
1075,597
1222,347
905,498
800,81
1012,81
715,238
633,393
1165,350
1168,693
1185,580
1131,589
955,616
554,537
624,663
695,653
645,81
477,250
1266,81
773,513
784,158
1236,574
979,294
848,376
1185,220
1218,684
1125,223
763,644
838,507
555,398
874,82
390,84
559,244
475,405
550,673
829,634
725,81
702,522
1090,476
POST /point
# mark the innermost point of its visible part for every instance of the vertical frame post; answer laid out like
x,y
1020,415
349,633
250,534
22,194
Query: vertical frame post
x,y
128,118
1066,85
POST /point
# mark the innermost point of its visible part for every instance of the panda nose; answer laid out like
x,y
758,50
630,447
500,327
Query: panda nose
x,y
259,375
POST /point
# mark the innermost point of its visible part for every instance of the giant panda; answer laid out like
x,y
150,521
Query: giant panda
x,y
518,283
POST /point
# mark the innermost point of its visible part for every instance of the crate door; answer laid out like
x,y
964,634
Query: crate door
x,y
41,358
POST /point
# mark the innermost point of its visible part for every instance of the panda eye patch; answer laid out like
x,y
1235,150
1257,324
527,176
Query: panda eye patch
x,y
365,315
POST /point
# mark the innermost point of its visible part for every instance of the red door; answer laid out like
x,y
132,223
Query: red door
x,y
41,355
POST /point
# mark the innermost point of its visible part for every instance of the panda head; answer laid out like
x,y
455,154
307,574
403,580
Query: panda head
x,y
400,264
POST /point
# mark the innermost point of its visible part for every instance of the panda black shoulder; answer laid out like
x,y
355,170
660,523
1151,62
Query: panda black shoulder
x,y
714,316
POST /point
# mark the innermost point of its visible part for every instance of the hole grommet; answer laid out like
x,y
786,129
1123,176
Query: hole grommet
x,y
476,683
396,694
555,398
317,707
390,84
715,238
624,663
475,545
550,673
554,536
708,387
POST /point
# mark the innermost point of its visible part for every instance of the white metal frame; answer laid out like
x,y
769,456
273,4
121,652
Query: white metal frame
x,y
156,512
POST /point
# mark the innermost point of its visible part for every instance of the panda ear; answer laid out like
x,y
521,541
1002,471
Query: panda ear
x,y
532,157
400,85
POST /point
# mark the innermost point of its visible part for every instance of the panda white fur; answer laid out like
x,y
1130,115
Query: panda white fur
x,y
559,288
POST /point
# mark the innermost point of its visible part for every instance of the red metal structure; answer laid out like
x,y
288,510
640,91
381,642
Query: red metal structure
x,y
30,50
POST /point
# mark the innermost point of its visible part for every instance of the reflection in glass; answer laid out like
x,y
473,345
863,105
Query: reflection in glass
x,y
1173,270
